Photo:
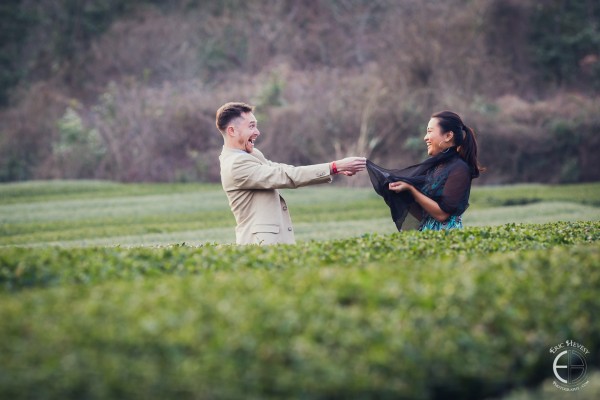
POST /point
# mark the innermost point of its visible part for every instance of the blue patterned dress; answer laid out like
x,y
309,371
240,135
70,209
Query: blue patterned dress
x,y
449,184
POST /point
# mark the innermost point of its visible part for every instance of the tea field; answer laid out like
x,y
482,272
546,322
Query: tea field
x,y
134,291
76,213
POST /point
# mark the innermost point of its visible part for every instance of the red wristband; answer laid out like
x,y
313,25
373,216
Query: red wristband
x,y
334,168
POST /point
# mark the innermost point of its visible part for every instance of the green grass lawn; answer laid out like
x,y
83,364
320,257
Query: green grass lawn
x,y
84,213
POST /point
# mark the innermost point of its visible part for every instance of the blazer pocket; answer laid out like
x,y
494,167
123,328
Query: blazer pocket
x,y
265,228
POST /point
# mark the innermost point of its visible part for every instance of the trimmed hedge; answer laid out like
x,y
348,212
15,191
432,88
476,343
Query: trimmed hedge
x,y
432,328
430,315
43,267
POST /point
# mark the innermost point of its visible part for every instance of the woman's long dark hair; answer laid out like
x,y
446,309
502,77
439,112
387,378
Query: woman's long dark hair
x,y
466,142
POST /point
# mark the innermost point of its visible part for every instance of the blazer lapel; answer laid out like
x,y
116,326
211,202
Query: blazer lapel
x,y
259,155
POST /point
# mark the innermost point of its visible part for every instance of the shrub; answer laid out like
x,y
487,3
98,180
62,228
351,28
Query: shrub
x,y
42,267
423,328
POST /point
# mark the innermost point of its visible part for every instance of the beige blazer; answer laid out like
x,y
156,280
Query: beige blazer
x,y
251,182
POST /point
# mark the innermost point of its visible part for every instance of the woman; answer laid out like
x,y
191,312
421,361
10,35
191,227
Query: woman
x,y
436,192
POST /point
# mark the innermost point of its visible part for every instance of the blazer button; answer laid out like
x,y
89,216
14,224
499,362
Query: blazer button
x,y
290,228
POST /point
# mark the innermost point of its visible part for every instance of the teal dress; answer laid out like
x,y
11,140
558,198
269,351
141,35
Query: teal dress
x,y
449,184
431,224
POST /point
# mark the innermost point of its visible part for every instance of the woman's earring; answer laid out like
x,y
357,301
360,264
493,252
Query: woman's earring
x,y
443,149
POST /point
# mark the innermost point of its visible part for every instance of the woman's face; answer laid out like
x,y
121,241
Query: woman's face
x,y
436,140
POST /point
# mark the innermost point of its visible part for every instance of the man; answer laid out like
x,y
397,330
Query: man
x,y
251,181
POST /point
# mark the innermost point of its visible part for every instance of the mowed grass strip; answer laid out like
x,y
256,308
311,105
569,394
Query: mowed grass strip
x,y
419,328
322,230
69,219
508,195
57,190
74,213
206,208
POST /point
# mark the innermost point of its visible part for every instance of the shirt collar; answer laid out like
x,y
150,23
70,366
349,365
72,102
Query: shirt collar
x,y
231,149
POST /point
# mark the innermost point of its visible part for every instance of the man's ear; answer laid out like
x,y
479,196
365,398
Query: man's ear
x,y
230,130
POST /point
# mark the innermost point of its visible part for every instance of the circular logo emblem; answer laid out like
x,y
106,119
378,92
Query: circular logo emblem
x,y
569,365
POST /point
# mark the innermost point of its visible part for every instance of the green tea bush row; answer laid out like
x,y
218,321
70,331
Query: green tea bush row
x,y
403,327
41,267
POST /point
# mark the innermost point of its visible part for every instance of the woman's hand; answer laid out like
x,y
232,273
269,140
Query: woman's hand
x,y
430,206
400,186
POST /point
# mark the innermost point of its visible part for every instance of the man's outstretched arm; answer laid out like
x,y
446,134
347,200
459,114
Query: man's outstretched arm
x,y
249,173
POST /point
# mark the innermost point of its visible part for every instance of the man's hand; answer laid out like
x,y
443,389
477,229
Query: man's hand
x,y
351,165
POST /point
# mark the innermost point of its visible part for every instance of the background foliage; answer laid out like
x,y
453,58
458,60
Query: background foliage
x,y
127,90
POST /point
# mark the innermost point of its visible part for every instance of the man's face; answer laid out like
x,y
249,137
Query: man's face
x,y
245,132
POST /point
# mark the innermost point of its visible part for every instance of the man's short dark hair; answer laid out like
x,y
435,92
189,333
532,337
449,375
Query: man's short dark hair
x,y
230,111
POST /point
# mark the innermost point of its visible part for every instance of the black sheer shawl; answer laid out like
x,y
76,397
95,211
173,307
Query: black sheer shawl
x,y
452,198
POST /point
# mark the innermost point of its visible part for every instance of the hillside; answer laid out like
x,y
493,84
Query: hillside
x,y
127,91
